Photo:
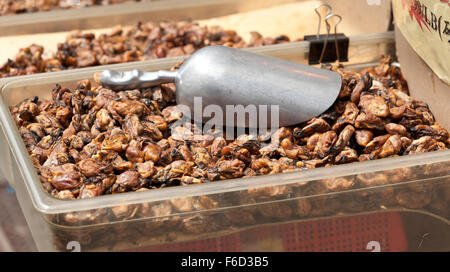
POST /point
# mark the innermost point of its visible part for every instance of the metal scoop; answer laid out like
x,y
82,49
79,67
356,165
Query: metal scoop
x,y
227,76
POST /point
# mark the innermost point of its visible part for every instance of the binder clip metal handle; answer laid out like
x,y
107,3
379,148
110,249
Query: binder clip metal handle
x,y
336,45
316,9
320,50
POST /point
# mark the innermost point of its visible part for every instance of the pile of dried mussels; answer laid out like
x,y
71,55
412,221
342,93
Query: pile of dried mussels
x,y
92,141
126,44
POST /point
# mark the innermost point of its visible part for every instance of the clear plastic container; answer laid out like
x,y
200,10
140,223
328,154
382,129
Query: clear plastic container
x,y
363,50
131,13
417,184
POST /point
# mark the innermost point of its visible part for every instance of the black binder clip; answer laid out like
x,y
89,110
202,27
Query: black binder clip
x,y
327,48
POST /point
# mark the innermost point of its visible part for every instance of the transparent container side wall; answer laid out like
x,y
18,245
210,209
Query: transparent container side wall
x,y
423,189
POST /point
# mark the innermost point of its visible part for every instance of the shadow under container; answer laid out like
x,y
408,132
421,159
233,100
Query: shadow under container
x,y
416,186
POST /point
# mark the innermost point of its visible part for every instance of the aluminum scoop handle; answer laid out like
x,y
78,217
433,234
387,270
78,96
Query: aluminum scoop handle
x,y
116,80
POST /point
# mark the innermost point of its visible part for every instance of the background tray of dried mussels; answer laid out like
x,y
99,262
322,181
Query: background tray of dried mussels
x,y
130,13
256,23
123,13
